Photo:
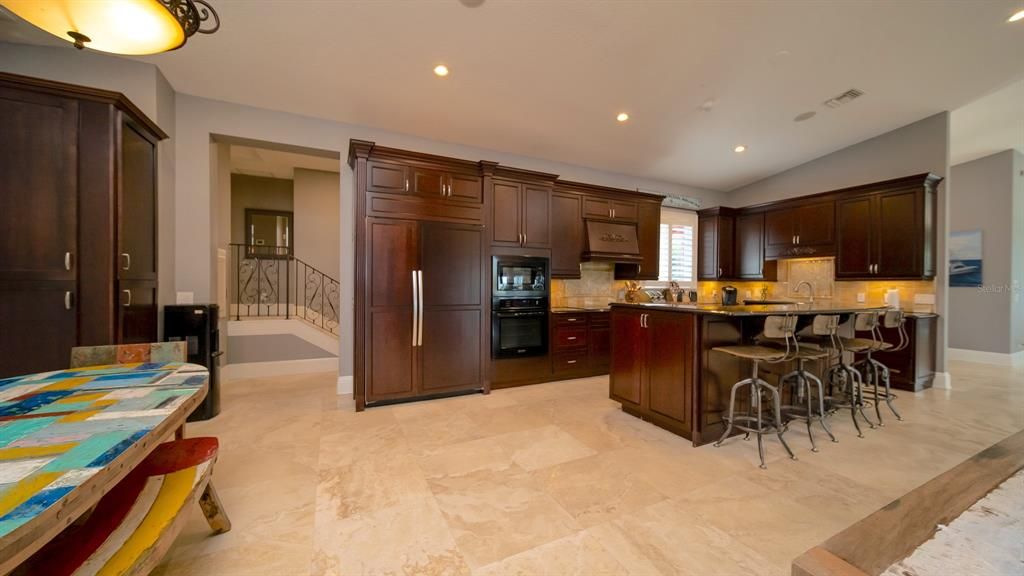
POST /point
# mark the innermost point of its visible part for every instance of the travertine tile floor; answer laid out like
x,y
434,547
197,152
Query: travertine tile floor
x,y
551,479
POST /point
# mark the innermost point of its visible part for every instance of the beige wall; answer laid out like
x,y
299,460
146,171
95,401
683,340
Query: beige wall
x,y
318,220
261,193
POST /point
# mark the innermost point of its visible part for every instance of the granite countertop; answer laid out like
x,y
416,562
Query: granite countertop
x,y
571,310
802,308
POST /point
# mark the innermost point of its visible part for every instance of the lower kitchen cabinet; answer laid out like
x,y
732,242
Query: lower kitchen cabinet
x,y
580,344
912,368
652,373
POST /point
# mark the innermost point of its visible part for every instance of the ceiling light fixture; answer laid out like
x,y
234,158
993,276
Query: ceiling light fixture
x,y
622,117
441,70
120,26
1017,16
740,148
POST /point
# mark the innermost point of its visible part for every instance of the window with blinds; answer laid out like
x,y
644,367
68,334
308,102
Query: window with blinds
x,y
677,261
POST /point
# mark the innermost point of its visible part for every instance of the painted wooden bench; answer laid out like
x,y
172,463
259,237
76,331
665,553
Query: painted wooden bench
x,y
133,526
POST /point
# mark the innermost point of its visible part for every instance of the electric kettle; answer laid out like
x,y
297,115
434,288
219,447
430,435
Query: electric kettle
x,y
729,295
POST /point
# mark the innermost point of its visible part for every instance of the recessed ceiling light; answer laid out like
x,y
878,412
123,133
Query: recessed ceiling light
x,y
441,70
1017,16
622,117
740,148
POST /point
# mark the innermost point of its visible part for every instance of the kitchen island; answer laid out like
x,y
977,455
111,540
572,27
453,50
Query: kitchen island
x,y
663,369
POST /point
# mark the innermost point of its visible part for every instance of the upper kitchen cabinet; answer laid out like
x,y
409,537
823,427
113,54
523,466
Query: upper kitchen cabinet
x,y
716,243
610,208
648,232
750,251
520,207
800,228
887,230
403,184
567,222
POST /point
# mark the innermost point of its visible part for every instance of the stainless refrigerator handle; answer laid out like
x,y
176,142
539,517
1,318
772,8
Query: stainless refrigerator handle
x,y
415,307
419,341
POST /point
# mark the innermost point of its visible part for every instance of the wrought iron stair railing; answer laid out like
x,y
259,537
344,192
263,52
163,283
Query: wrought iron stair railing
x,y
271,282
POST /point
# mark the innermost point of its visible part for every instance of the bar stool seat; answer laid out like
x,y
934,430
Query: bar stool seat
x,y
755,422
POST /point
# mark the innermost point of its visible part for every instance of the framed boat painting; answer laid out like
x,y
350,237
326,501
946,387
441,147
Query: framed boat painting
x,y
965,261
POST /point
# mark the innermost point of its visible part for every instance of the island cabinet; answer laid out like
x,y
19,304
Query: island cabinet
x,y
912,368
888,230
652,369
567,227
520,208
78,218
716,257
801,229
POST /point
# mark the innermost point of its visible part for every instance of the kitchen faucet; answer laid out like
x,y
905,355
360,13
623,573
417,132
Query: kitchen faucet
x,y
810,288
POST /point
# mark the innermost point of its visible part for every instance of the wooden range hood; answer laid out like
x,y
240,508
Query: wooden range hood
x,y
611,242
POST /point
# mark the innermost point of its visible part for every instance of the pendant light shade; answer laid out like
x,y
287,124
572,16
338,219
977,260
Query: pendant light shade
x,y
119,26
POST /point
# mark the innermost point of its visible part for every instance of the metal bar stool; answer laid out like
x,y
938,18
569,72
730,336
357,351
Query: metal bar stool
x,y
845,375
875,371
801,381
845,387
775,327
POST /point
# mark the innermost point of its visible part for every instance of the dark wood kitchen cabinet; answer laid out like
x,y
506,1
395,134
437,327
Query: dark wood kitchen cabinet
x,y
912,368
76,162
601,207
521,208
750,252
652,372
648,231
800,229
580,343
422,280
567,226
716,244
425,308
888,232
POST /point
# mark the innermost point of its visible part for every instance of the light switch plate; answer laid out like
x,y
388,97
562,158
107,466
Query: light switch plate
x,y
862,297
748,295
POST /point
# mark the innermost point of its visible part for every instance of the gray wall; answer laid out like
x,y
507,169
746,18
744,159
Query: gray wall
x,y
257,192
919,147
980,319
1017,326
318,219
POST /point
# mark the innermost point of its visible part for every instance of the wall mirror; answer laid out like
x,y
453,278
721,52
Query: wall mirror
x,y
269,233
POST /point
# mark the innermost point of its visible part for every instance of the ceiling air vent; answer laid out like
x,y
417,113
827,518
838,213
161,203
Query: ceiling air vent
x,y
844,98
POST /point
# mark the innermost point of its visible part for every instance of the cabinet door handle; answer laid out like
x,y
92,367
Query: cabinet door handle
x,y
719,272
613,213
570,362
128,300
406,184
67,260
572,337
126,258
67,300
524,239
415,308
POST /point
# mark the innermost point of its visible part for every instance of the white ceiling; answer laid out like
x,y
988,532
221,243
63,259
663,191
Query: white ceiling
x,y
988,125
276,163
546,79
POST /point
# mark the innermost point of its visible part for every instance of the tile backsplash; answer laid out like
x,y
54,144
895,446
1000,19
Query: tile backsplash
x,y
820,272
597,286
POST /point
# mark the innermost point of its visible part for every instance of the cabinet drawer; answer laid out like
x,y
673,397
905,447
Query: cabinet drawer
x,y
569,362
600,320
570,337
570,319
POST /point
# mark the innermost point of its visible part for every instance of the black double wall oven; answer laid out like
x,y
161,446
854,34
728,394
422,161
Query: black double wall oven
x,y
519,306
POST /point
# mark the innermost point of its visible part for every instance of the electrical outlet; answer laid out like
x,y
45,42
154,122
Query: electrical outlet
x,y
862,297
748,295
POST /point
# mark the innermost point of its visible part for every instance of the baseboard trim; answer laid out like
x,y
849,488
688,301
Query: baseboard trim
x,y
345,384
281,368
981,357
942,381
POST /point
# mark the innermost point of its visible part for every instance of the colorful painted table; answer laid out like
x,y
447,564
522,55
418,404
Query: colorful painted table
x,y
68,437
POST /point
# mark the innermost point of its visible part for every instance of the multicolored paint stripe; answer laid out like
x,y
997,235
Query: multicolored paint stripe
x,y
58,429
